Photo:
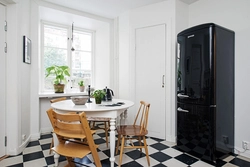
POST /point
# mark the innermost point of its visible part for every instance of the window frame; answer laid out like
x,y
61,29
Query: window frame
x,y
68,28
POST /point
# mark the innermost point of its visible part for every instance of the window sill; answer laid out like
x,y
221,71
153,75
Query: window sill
x,y
52,94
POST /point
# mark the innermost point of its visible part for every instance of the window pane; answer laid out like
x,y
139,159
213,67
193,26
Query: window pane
x,y
81,67
53,56
82,41
55,37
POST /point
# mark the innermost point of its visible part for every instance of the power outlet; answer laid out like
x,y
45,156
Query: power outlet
x,y
245,145
225,139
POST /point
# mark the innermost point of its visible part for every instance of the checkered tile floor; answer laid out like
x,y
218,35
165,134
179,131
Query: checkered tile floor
x,y
162,153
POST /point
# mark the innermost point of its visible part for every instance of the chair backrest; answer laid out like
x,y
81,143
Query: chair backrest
x,y
70,125
141,118
57,99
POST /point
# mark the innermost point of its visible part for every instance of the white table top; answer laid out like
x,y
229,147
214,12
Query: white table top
x,y
68,105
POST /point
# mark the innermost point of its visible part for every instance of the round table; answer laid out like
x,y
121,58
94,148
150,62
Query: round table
x,y
108,109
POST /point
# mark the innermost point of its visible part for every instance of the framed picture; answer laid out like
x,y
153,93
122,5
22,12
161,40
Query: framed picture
x,y
26,50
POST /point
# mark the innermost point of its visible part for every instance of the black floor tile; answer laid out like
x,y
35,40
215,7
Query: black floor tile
x,y
240,162
132,164
45,146
161,157
49,160
33,143
159,165
17,165
99,141
159,146
33,156
46,136
186,159
135,154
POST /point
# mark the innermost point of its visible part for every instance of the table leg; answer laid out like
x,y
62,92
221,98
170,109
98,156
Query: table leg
x,y
123,118
112,142
56,156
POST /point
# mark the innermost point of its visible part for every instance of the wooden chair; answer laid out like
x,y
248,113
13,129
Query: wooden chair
x,y
53,101
57,99
106,121
69,127
136,131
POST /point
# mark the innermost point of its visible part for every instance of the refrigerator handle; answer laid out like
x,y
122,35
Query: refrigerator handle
x,y
182,96
181,110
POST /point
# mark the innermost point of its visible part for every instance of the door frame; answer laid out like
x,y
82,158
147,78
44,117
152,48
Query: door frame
x,y
170,77
3,86
133,74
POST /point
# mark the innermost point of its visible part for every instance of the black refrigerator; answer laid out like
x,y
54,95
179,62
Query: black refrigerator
x,y
205,91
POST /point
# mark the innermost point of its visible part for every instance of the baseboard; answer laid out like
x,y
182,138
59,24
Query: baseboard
x,y
20,149
240,151
171,138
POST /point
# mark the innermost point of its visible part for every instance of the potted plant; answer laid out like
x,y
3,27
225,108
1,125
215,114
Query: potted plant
x,y
81,85
98,95
60,73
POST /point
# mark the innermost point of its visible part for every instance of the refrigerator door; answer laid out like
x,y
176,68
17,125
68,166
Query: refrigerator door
x,y
195,68
195,130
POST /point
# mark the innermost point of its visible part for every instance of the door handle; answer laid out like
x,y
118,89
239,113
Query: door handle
x,y
182,96
163,84
181,110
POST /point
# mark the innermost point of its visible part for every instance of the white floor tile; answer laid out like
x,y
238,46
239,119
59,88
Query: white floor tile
x,y
171,152
125,159
32,149
174,163
11,161
37,162
143,161
45,141
201,164
228,158
229,165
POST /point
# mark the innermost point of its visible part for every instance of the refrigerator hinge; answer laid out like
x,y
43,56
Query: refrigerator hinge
x,y
5,26
5,141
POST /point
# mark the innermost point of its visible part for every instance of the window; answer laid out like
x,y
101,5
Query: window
x,y
57,50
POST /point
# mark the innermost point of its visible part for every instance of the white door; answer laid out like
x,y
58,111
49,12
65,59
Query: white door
x,y
2,83
150,75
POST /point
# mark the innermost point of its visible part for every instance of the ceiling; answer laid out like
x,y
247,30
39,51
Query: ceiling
x,y
106,8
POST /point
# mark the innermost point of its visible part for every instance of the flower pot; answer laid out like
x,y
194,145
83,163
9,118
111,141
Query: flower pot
x,y
59,88
81,88
98,100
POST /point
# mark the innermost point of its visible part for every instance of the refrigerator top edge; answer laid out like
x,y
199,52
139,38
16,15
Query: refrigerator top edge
x,y
202,26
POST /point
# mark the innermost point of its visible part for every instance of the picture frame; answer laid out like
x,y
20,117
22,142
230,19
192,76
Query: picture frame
x,y
26,50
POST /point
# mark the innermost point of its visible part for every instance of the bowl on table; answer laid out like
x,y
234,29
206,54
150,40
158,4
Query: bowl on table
x,y
79,100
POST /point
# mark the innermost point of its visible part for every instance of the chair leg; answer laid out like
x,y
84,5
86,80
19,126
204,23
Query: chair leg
x,y
51,145
118,144
106,133
121,151
70,163
139,138
146,149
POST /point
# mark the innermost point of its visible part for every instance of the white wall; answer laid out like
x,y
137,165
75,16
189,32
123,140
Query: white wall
x,y
123,52
155,14
18,78
234,15
22,100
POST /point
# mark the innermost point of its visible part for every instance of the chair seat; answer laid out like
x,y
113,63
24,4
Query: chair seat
x,y
72,149
131,130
